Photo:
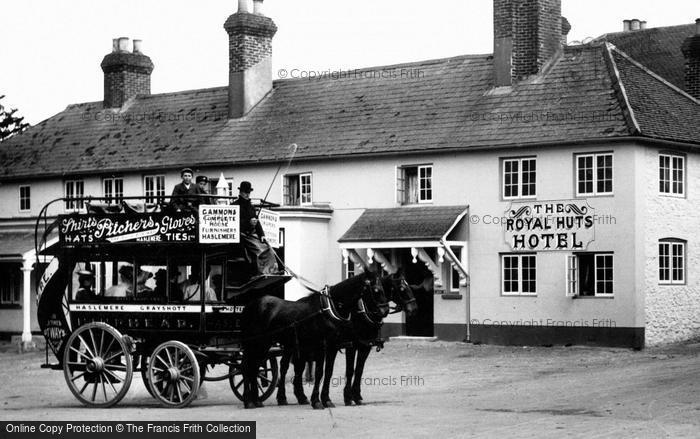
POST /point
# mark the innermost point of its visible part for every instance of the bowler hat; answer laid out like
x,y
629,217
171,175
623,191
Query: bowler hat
x,y
202,179
185,170
245,187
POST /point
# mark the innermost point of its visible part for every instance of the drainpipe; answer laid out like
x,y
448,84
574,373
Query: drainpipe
x,y
462,269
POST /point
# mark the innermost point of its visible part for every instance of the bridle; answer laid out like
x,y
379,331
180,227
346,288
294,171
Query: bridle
x,y
402,302
369,289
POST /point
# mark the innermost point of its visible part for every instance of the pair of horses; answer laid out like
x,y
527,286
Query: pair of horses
x,y
314,328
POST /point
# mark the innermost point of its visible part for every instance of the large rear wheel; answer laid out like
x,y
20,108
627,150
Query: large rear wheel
x,y
97,365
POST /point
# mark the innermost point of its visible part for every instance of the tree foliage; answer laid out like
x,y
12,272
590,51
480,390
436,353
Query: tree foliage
x,y
9,123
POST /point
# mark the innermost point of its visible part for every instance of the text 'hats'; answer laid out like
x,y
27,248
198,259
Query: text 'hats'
x,y
245,187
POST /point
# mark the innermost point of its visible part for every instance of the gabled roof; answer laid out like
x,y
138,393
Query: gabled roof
x,y
432,105
658,49
416,223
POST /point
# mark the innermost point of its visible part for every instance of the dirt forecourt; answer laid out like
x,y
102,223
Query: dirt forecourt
x,y
429,389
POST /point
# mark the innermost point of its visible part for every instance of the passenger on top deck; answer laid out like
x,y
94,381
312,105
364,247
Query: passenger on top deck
x,y
181,201
252,234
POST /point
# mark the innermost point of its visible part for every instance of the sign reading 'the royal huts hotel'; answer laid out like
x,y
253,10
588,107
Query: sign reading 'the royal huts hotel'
x,y
549,226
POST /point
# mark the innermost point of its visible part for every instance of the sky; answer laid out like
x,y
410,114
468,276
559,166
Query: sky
x,y
50,51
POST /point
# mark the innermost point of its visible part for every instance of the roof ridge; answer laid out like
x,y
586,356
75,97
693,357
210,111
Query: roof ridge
x,y
426,62
607,34
621,92
652,74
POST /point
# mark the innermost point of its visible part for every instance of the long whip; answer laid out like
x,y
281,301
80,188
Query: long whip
x,y
293,147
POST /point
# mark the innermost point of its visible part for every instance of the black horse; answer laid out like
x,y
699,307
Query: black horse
x,y
364,334
308,329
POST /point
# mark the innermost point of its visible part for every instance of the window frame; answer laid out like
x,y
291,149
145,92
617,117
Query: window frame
x,y
74,206
12,272
28,198
155,197
424,173
573,283
117,196
670,243
595,180
520,269
671,156
520,184
305,199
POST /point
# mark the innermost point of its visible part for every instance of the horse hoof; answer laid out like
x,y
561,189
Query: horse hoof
x,y
282,401
358,401
249,405
348,402
258,404
329,404
317,405
303,401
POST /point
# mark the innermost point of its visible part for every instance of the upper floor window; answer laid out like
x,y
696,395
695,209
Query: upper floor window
x,y
74,189
154,188
594,174
519,275
671,174
113,190
671,261
590,274
519,178
297,190
414,184
25,198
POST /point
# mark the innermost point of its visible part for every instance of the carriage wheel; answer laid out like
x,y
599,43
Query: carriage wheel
x,y
97,365
268,374
173,374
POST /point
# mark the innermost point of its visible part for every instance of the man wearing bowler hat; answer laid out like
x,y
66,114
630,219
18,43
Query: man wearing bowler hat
x,y
180,201
252,234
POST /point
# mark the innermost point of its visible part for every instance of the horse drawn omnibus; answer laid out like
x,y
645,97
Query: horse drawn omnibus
x,y
147,289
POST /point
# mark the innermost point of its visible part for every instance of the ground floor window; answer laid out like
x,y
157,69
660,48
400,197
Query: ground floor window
x,y
590,274
10,284
519,274
671,262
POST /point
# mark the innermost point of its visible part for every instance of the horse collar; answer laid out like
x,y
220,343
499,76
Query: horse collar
x,y
328,306
362,310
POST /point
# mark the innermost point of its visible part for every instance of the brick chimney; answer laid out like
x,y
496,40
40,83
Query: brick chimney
x,y
127,74
527,33
250,57
691,51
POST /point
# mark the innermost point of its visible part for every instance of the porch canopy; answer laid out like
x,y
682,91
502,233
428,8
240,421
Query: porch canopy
x,y
416,227
16,246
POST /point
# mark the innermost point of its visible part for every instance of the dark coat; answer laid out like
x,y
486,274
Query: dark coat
x,y
186,203
248,212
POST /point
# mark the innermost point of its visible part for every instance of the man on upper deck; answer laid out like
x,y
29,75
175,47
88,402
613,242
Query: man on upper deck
x,y
181,201
252,234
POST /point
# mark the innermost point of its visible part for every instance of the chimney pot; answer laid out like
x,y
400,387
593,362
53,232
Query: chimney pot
x,y
691,52
115,44
697,26
635,24
123,44
626,25
243,6
642,25
258,7
137,46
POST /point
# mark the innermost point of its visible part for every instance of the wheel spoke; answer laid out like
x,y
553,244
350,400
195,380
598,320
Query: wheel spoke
x,y
109,346
187,386
159,358
113,356
157,369
80,353
78,376
102,342
266,379
94,343
121,367
94,391
172,391
170,359
239,384
104,388
116,377
179,392
112,386
190,379
87,348
84,386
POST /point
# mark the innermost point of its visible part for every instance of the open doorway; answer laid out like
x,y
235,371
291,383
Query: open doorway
x,y
421,281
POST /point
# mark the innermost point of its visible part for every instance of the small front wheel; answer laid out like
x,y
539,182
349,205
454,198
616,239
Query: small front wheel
x,y
173,374
267,377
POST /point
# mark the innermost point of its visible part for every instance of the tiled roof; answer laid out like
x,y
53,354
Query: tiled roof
x,y
655,105
416,223
658,49
436,105
15,244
